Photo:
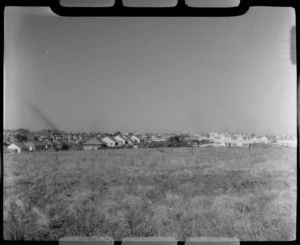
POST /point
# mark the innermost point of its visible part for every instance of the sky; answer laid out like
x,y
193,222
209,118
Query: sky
x,y
150,74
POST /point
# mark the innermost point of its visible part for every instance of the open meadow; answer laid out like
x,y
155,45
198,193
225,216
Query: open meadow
x,y
167,192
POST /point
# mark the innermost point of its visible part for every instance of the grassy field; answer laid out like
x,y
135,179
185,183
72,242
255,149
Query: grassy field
x,y
179,192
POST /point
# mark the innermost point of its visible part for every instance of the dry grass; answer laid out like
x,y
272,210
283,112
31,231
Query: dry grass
x,y
180,192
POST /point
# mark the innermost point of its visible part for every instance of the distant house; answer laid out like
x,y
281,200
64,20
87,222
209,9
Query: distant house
x,y
120,139
213,135
128,140
61,145
57,144
109,141
193,143
124,139
258,139
94,144
218,139
17,147
203,141
271,138
35,146
135,139
238,140
118,142
203,138
289,142
50,145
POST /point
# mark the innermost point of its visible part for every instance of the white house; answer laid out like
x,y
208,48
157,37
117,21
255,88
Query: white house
x,y
123,139
17,147
135,139
218,140
238,140
109,141
291,142
120,139
127,138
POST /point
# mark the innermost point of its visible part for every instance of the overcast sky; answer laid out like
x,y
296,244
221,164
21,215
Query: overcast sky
x,y
150,74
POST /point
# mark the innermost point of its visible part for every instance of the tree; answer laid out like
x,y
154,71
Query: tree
x,y
204,141
8,139
33,138
175,139
20,138
117,133
22,131
64,146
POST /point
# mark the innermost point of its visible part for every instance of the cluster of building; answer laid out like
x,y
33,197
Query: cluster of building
x,y
112,141
246,140
70,138
95,141
288,141
30,146
68,141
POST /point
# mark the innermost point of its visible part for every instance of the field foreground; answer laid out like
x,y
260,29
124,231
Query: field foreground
x,y
167,192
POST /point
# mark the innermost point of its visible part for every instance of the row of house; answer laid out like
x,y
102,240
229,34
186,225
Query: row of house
x,y
111,141
49,143
98,140
72,138
18,147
